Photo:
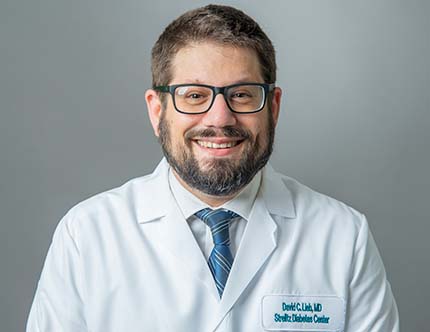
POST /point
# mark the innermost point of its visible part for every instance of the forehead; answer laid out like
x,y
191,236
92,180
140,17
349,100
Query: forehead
x,y
215,64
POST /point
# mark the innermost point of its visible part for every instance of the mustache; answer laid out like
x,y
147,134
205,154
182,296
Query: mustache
x,y
228,131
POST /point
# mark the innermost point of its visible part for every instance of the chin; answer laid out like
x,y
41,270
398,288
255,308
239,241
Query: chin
x,y
208,164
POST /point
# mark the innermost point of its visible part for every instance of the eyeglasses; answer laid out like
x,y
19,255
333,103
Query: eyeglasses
x,y
198,98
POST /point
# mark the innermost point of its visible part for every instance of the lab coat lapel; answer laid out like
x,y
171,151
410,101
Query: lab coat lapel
x,y
260,239
176,237
172,230
257,244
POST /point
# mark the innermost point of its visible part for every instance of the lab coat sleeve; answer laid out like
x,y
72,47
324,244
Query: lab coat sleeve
x,y
58,302
371,305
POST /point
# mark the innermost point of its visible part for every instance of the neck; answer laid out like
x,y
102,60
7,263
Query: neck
x,y
212,201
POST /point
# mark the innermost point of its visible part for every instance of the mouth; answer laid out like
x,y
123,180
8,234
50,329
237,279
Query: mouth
x,y
218,146
213,145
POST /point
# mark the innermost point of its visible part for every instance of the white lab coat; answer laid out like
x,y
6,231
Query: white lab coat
x,y
126,260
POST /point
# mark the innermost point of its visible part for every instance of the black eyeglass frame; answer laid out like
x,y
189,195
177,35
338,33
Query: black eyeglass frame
x,y
267,87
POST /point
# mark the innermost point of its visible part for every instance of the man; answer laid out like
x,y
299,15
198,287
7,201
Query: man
x,y
214,239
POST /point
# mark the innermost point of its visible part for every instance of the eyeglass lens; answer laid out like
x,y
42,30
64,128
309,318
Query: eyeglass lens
x,y
240,98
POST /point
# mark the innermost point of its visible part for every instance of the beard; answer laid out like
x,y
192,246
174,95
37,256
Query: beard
x,y
218,177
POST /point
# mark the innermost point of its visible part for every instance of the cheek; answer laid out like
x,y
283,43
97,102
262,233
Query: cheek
x,y
258,126
176,121
178,128
182,123
260,130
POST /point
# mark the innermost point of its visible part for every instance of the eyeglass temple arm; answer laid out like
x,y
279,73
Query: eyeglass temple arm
x,y
162,88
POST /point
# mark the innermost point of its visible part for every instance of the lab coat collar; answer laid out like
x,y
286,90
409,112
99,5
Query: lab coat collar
x,y
277,196
153,193
154,196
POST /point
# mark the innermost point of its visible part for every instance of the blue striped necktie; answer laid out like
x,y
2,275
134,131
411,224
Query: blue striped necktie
x,y
220,259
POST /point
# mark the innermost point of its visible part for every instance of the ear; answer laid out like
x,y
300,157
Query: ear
x,y
276,103
153,103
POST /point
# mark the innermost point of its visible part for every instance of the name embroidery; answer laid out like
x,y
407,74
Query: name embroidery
x,y
293,313
303,313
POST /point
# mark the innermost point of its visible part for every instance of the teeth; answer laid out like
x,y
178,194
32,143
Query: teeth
x,y
212,145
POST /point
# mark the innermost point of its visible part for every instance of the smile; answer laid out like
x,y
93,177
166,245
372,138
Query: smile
x,y
213,145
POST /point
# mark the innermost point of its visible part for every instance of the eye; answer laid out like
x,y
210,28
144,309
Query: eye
x,y
241,95
194,95
193,92
242,92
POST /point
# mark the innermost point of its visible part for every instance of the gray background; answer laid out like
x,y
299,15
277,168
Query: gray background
x,y
355,120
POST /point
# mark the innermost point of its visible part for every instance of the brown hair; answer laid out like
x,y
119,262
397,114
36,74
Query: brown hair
x,y
214,23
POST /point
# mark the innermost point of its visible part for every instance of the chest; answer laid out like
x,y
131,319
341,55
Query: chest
x,y
134,280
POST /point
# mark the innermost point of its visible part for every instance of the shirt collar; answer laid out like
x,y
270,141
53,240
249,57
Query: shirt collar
x,y
190,204
279,193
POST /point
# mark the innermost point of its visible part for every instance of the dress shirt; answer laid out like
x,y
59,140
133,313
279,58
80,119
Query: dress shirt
x,y
240,204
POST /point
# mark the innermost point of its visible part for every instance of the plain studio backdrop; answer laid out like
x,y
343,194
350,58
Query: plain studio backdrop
x,y
355,120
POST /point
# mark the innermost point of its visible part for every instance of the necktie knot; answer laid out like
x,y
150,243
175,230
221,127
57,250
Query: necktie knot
x,y
219,222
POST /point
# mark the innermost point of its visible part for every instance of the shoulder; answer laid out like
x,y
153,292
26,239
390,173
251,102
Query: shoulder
x,y
314,208
122,206
101,209
115,197
321,222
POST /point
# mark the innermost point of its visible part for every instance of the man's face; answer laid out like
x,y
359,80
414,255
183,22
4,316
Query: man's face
x,y
217,152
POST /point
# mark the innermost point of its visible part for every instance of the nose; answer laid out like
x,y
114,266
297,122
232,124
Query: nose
x,y
219,115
